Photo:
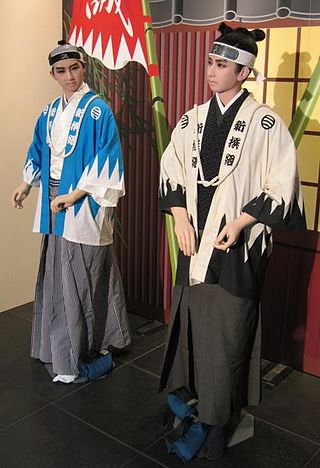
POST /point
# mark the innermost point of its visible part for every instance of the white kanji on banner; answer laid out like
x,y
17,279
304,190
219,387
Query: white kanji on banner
x,y
110,30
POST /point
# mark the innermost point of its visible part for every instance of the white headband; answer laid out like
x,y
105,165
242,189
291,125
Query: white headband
x,y
237,56
64,52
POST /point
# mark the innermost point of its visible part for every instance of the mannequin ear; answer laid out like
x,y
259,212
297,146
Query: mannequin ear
x,y
244,73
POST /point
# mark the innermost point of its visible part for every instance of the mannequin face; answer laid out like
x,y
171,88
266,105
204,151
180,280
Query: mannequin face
x,y
223,77
69,74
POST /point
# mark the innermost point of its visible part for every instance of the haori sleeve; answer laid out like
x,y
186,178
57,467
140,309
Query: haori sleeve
x,y
103,179
32,165
280,203
172,174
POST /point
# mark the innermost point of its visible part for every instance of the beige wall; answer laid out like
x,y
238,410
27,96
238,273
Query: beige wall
x,y
28,31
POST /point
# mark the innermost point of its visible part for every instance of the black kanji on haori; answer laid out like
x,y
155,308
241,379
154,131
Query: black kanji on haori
x,y
234,142
229,159
239,126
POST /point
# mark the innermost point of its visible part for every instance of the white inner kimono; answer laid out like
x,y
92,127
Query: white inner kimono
x,y
60,129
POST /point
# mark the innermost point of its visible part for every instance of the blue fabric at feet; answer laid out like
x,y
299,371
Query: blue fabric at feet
x,y
182,403
188,445
99,366
188,437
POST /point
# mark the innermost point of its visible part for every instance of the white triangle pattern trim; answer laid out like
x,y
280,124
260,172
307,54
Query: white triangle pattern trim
x,y
37,216
108,58
72,39
88,44
256,231
138,55
90,176
84,223
123,54
97,52
79,39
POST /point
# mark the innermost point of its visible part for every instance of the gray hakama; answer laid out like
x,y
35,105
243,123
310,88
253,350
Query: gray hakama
x,y
213,350
79,304
215,170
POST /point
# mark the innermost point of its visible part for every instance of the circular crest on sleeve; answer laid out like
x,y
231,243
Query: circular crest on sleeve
x,y
184,121
95,112
268,122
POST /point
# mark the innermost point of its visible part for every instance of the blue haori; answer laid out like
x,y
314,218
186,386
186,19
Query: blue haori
x,y
92,162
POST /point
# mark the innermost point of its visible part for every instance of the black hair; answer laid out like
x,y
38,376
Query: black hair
x,y
241,38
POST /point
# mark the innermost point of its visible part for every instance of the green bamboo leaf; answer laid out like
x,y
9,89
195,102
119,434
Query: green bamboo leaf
x,y
306,106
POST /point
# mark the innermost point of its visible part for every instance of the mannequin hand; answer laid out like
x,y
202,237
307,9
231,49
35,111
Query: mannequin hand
x,y
184,231
228,236
20,194
230,233
62,202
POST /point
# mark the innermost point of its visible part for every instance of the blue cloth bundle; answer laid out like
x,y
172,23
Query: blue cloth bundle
x,y
187,439
182,403
99,366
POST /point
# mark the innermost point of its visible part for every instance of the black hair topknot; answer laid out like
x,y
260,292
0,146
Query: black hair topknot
x,y
241,37
224,28
256,34
62,42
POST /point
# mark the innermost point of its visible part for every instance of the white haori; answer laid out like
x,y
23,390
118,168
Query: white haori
x,y
258,157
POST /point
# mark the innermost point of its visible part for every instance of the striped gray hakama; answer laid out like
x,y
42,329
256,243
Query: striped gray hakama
x,y
79,304
213,350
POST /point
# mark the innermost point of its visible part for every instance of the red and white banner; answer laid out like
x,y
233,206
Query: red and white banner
x,y
110,30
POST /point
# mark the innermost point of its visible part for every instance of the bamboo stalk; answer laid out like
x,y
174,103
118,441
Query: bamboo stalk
x,y
306,106
162,136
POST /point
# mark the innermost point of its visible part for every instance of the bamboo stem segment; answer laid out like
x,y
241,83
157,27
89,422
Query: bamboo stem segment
x,y
161,129
306,106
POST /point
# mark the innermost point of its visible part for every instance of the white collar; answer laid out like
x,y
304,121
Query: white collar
x,y
84,88
223,108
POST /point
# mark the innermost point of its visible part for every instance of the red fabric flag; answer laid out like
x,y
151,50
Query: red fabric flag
x,y
111,30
